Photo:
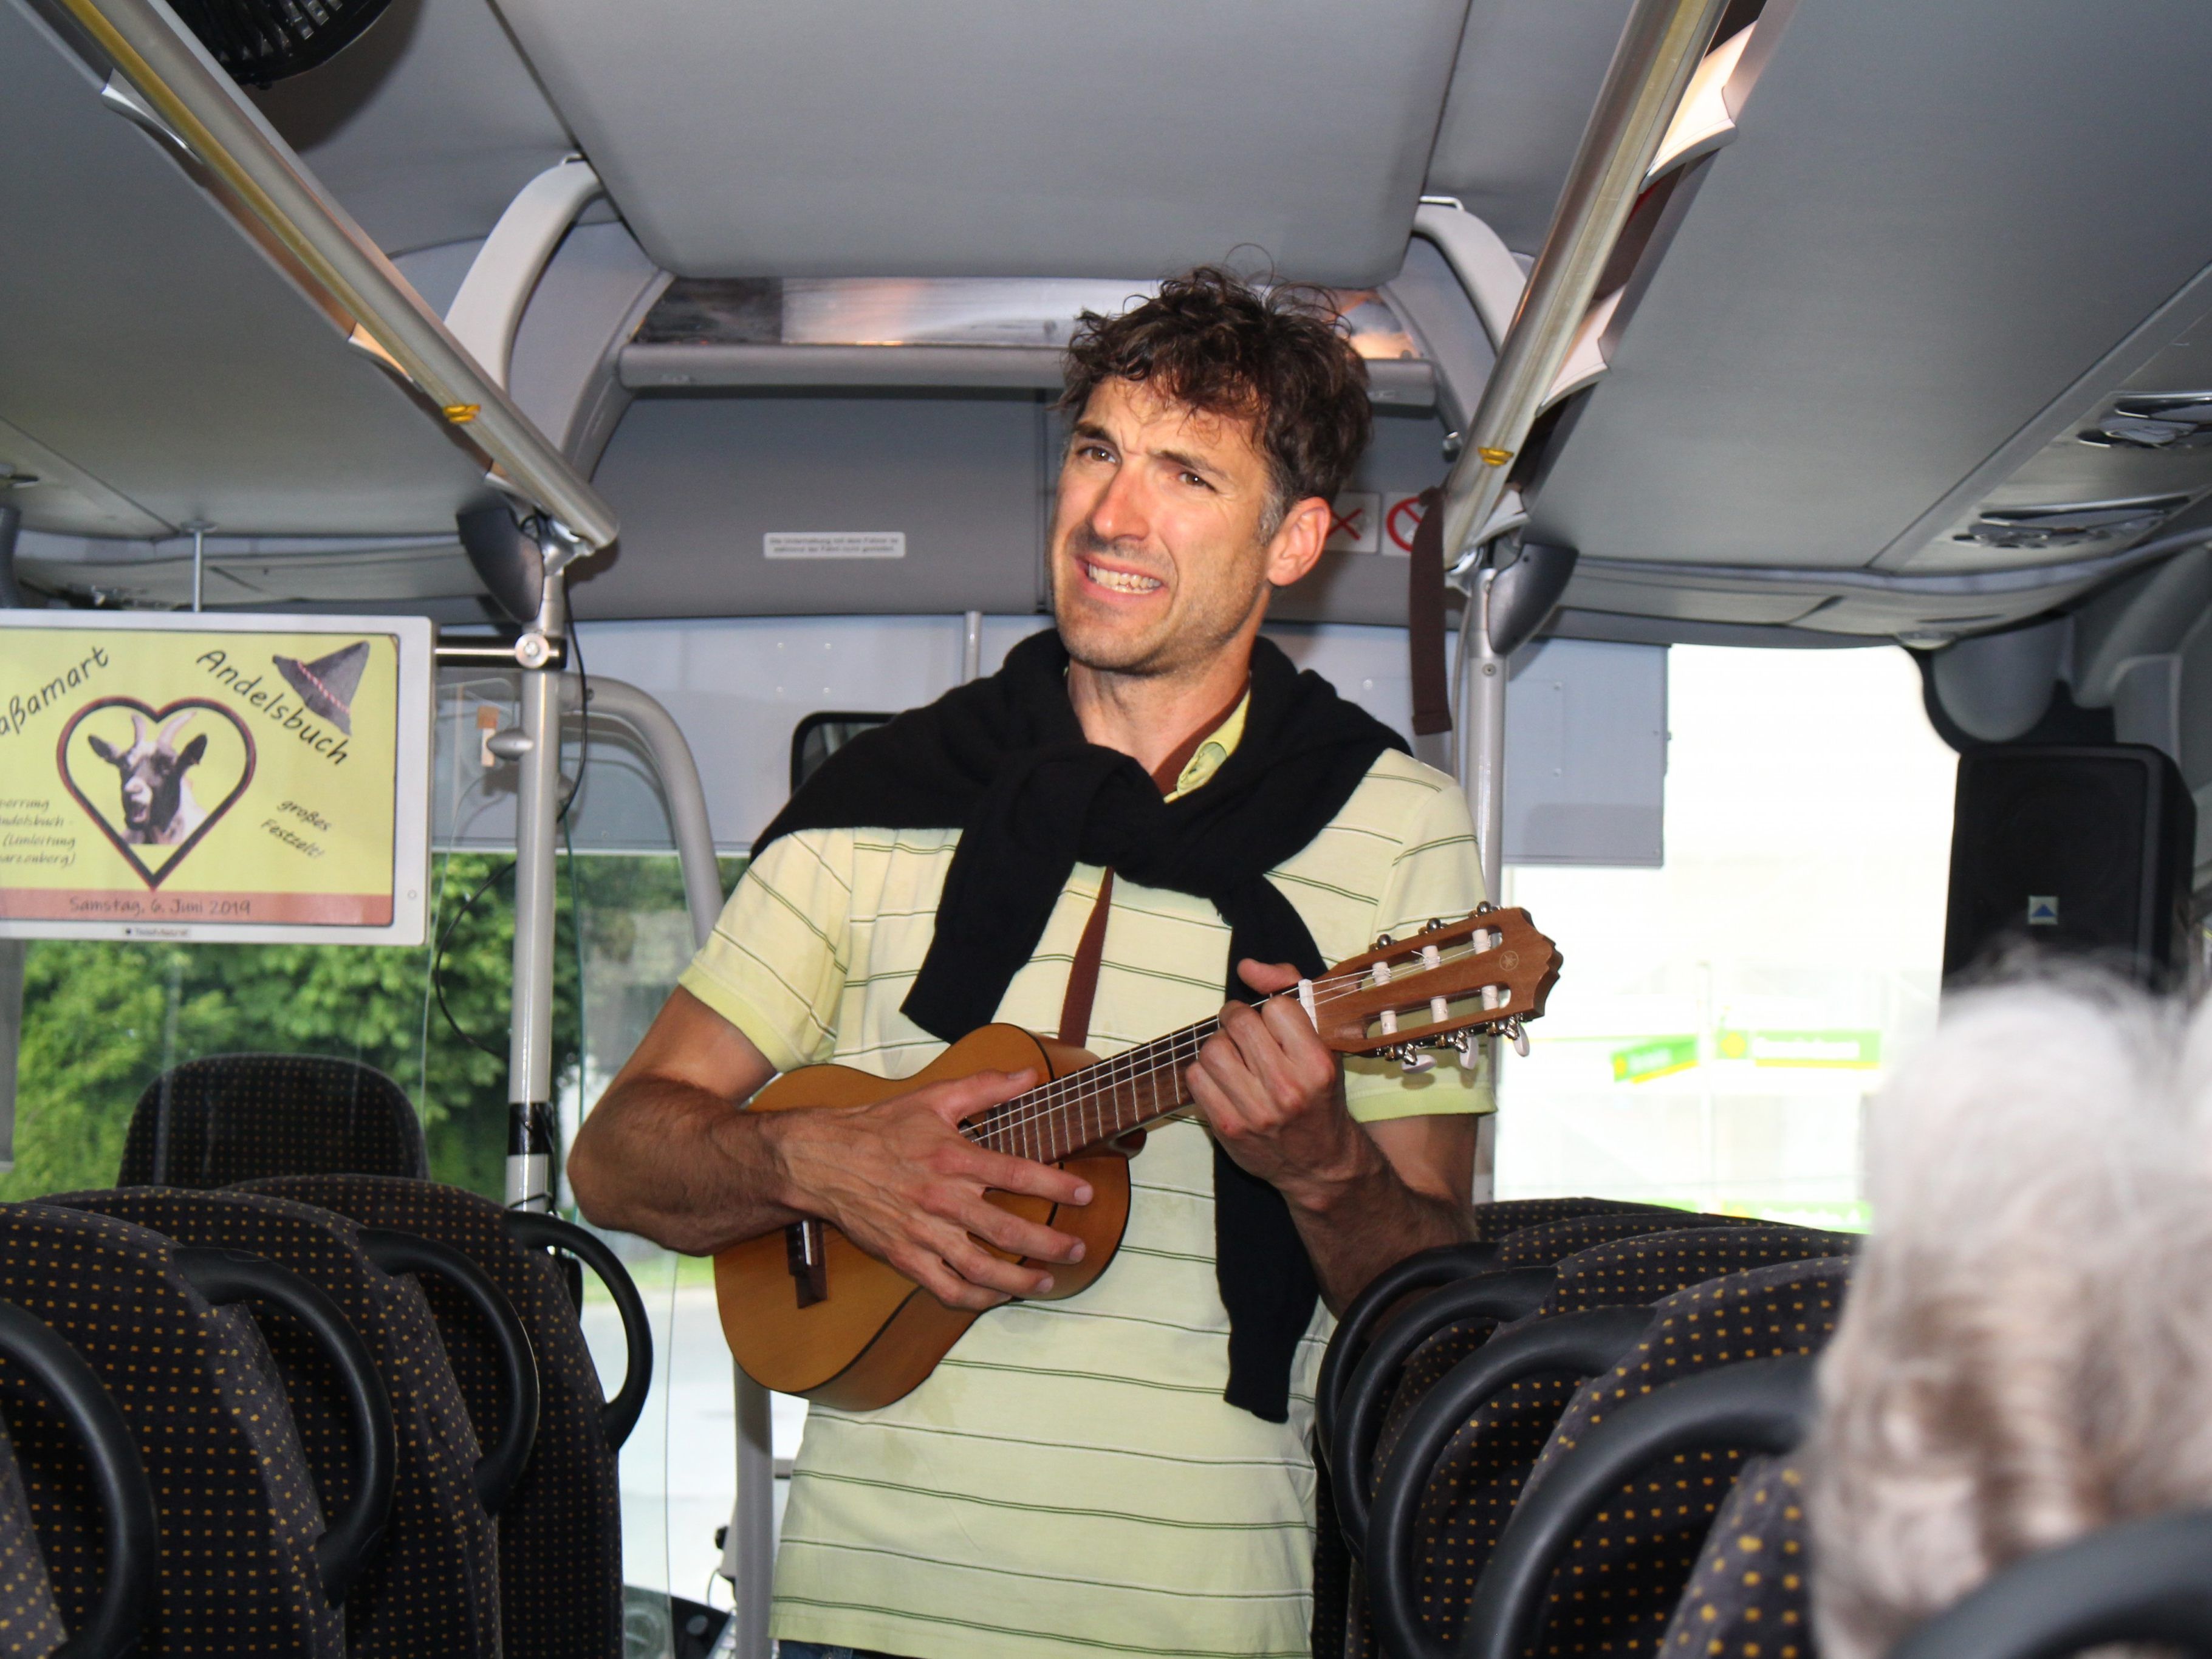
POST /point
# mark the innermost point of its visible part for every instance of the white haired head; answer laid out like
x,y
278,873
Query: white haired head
x,y
2026,1353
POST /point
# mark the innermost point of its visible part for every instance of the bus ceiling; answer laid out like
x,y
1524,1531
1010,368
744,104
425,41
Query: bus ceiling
x,y
1895,343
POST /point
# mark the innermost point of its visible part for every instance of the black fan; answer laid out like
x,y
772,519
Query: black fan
x,y
259,42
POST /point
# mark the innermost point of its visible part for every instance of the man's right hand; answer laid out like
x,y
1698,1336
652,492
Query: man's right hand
x,y
899,1180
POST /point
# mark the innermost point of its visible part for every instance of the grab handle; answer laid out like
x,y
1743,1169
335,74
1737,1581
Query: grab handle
x,y
503,1462
350,1537
1513,1293
119,1477
1425,1270
619,1415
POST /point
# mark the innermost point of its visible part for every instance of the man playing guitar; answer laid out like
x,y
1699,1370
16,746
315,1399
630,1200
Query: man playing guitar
x,y
1126,1469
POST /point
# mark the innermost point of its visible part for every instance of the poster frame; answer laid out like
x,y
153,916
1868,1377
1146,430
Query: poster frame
x,y
417,638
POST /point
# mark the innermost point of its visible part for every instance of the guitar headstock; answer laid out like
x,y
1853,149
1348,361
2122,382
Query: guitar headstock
x,y
1438,987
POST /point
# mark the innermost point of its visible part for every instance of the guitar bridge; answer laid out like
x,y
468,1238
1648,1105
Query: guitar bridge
x,y
805,1254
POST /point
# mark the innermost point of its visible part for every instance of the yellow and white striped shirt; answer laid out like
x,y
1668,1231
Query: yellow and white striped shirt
x,y
1069,1480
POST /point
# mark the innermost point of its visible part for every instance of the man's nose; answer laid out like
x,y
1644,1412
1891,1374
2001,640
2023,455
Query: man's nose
x,y
1123,512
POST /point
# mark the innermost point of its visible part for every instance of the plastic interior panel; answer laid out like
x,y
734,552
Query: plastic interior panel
x,y
1931,221
1048,144
146,341
1527,74
425,127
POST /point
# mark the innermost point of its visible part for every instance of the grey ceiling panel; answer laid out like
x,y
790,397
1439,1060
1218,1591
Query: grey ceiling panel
x,y
988,138
425,127
1933,222
148,343
1522,92
701,483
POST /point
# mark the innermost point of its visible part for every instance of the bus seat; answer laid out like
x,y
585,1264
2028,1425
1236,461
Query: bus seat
x,y
29,1621
1750,1596
1621,1579
1472,1487
434,1584
226,1118
1514,1215
561,1532
239,1517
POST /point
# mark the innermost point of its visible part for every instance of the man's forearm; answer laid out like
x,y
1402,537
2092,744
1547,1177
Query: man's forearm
x,y
680,1166
1361,1219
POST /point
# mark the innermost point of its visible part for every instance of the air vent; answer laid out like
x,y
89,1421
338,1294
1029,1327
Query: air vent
x,y
259,42
2174,420
2050,529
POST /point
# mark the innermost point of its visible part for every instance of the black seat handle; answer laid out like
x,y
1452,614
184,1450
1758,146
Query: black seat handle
x,y
619,1415
118,1477
1510,1293
2137,1581
1762,1405
351,1536
1423,1270
1581,1344
503,1462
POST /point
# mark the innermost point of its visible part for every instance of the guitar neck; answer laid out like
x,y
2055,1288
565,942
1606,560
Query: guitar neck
x,y
1058,1119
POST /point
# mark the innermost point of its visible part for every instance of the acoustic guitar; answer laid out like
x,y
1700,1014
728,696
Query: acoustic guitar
x,y
806,1312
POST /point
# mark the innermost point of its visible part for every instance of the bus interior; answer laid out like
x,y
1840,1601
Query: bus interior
x,y
1811,392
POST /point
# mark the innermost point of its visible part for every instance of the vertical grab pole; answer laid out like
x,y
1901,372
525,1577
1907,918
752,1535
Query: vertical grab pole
x,y
537,826
1481,725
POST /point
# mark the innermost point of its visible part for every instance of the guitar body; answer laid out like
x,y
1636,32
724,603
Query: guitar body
x,y
874,1334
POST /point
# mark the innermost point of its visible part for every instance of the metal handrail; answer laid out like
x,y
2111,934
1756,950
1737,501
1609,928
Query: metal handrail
x,y
203,107
1659,50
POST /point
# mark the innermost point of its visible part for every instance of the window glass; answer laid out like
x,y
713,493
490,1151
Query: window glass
x,y
1721,1020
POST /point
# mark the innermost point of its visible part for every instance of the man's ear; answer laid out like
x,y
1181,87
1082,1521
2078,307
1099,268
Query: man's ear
x,y
1297,542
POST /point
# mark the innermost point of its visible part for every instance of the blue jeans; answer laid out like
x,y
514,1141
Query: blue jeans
x,y
820,1650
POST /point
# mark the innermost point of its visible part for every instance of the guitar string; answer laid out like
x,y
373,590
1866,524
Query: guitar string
x,y
1052,1100
1021,1114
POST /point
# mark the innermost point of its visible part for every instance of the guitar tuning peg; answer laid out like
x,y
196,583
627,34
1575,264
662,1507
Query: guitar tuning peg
x,y
1470,1056
1384,942
1417,1060
1519,1033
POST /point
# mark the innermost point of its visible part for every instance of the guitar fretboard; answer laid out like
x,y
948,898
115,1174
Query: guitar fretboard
x,y
1058,1119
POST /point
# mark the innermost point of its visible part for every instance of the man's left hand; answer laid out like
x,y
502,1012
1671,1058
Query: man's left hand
x,y
1273,1093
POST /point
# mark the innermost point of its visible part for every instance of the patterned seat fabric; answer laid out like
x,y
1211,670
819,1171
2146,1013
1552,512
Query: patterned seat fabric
x,y
30,1624
434,1585
238,1512
1479,1477
1616,1587
1513,1215
1750,1596
237,1117
561,1532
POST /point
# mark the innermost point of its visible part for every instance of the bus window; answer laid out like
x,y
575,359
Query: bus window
x,y
1727,1013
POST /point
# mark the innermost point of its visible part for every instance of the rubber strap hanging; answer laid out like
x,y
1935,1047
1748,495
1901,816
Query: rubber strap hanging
x,y
1425,619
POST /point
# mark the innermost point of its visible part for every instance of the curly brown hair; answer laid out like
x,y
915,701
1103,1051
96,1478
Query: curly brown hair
x,y
1278,358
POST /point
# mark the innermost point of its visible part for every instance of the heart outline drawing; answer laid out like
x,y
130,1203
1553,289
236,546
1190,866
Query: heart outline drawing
x,y
153,878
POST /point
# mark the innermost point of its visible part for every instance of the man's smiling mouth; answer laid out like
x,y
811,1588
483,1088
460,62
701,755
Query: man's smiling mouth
x,y
1120,581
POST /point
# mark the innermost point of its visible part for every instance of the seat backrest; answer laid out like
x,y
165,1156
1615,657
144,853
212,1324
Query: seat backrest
x,y
434,1586
1555,1240
1750,1595
560,1530
239,1516
225,1118
1616,1587
30,1623
1513,1215
1480,1475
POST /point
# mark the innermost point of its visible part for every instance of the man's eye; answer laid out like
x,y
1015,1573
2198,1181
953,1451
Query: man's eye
x,y
1193,478
1096,452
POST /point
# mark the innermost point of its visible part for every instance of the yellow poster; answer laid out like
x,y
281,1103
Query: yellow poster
x,y
195,776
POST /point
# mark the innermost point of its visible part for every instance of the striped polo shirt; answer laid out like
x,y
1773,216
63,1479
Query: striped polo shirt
x,y
1069,1480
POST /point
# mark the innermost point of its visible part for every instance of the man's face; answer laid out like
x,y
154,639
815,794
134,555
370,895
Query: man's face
x,y
1158,558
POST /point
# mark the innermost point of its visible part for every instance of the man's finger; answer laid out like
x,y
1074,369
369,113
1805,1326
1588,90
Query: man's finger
x,y
1024,1238
1269,976
947,1287
979,1266
958,1101
1028,1177
1262,1054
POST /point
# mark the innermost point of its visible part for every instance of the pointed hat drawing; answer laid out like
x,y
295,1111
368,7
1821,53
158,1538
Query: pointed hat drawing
x,y
327,684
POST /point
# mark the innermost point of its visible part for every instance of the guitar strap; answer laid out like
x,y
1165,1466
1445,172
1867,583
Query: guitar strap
x,y
1083,972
